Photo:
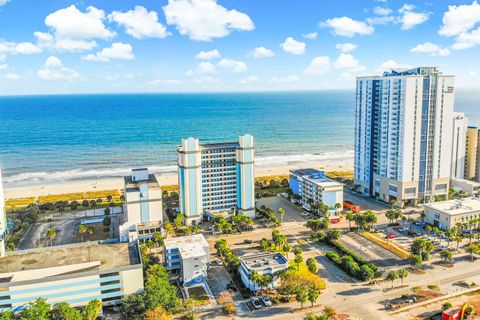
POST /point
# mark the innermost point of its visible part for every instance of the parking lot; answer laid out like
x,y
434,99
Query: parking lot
x,y
293,213
364,202
370,251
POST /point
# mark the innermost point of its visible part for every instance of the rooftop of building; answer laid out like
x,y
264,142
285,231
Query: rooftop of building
x,y
457,206
110,256
423,71
134,185
316,176
192,250
175,243
264,260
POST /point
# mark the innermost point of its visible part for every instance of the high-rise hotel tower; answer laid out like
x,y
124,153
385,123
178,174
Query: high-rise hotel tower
x,y
404,124
216,178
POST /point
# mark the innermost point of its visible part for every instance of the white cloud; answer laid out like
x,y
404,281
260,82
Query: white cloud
x,y
3,56
381,20
167,82
318,65
204,20
467,40
430,48
12,76
406,7
234,65
247,80
348,63
74,30
347,27
208,55
18,48
118,51
311,35
283,80
411,19
3,2
3,66
391,64
460,19
346,47
140,23
203,67
293,46
381,11
262,52
54,70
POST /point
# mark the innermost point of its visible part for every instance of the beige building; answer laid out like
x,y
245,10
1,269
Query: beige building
x,y
472,154
447,214
76,274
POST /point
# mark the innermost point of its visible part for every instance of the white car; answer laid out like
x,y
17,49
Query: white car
x,y
304,213
403,229
266,301
256,303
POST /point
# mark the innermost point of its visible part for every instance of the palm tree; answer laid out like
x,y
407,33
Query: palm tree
x,y
392,276
446,255
350,218
255,278
281,212
402,274
82,229
472,248
51,234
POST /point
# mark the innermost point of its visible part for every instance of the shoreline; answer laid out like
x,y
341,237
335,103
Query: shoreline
x,y
13,191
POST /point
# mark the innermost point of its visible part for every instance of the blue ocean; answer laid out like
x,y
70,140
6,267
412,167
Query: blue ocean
x,y
64,137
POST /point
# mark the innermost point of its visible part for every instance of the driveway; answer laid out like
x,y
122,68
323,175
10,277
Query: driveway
x,y
293,213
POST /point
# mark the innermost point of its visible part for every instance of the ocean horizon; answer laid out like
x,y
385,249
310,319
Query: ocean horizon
x,y
50,138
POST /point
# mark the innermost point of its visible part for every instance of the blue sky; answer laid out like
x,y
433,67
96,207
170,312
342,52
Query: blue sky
x,y
57,46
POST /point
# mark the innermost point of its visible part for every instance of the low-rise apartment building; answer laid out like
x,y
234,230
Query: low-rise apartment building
x,y
448,214
313,187
265,263
189,257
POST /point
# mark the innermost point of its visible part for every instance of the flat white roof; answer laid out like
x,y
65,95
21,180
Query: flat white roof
x,y
325,183
192,250
457,206
176,243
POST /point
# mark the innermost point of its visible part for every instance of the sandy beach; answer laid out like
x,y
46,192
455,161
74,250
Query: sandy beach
x,y
41,189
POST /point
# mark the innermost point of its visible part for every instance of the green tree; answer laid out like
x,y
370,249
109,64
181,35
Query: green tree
x,y
447,305
179,219
298,259
167,226
133,307
350,218
287,247
92,310
7,315
366,273
36,310
264,244
446,255
281,212
472,249
332,235
82,229
64,311
51,234
402,274
158,291
392,276
302,297
312,265
415,260
313,294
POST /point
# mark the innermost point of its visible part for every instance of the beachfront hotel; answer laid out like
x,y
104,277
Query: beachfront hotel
x,y
216,179
314,187
404,135
143,209
472,154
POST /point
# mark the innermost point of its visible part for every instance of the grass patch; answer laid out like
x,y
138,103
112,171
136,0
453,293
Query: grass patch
x,y
90,195
19,202
199,295
340,174
394,248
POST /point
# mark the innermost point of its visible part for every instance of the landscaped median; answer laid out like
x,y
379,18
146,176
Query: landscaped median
x,y
394,248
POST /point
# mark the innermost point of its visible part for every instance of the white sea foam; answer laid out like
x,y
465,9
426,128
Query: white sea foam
x,y
84,174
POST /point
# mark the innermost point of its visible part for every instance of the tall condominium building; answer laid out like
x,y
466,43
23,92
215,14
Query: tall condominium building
x,y
459,138
143,209
403,134
216,178
3,218
472,154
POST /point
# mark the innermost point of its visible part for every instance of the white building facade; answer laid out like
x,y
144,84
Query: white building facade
x,y
216,177
143,209
265,263
452,213
189,257
459,143
404,134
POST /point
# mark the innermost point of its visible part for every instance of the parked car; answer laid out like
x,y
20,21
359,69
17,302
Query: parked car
x,y
247,241
420,223
256,303
469,232
266,301
391,236
403,229
304,213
